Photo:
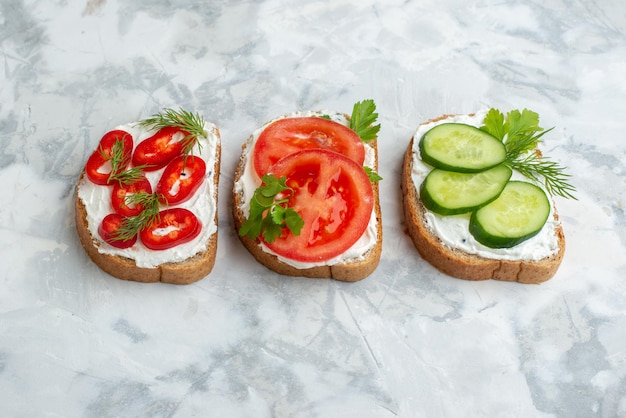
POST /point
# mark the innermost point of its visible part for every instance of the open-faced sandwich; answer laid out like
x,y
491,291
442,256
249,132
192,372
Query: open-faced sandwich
x,y
306,194
146,201
477,197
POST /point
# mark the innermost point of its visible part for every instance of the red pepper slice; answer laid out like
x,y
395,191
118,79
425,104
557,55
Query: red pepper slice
x,y
98,167
122,191
158,150
108,231
174,227
181,178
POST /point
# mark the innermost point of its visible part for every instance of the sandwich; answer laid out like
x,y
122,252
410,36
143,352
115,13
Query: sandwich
x,y
478,197
146,200
305,194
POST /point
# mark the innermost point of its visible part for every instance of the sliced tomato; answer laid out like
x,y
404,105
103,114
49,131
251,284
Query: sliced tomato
x,y
98,167
108,231
335,198
174,227
181,178
158,150
122,191
289,135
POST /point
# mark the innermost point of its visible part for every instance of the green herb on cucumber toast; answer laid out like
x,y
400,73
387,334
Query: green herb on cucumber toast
x,y
520,132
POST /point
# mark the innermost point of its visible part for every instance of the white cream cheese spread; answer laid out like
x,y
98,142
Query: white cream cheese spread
x,y
250,181
97,201
454,230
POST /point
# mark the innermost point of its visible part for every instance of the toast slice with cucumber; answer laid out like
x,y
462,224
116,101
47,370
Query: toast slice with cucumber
x,y
477,197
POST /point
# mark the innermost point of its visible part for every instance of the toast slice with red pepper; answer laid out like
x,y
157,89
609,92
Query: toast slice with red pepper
x,y
165,231
304,205
447,248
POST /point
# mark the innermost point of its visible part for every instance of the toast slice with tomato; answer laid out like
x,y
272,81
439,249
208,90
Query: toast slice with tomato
x,y
449,243
146,201
306,194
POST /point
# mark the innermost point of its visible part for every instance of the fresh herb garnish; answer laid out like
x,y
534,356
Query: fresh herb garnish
x,y
362,122
192,123
520,132
363,118
372,175
128,176
118,161
150,213
269,213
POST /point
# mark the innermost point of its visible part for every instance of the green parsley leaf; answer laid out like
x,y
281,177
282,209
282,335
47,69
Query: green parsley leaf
x,y
271,186
494,124
294,221
372,175
271,230
278,214
269,213
363,118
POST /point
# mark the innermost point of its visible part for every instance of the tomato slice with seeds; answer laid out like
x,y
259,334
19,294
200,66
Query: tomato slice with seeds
x,y
174,227
289,135
335,198
158,150
98,167
108,231
122,191
181,178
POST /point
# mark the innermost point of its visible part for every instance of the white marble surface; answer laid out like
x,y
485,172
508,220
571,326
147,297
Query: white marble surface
x,y
244,342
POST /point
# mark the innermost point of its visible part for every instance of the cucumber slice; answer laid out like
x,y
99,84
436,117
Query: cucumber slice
x,y
516,215
451,193
462,148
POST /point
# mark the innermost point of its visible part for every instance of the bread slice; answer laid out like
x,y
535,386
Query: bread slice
x,y
186,271
350,271
457,262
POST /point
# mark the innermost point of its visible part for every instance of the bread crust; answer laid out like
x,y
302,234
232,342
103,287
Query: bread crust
x,y
348,272
187,271
458,263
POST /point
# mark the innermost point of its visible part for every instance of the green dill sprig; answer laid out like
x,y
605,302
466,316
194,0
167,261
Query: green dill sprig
x,y
521,134
192,123
118,158
119,162
128,176
269,213
150,213
544,171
